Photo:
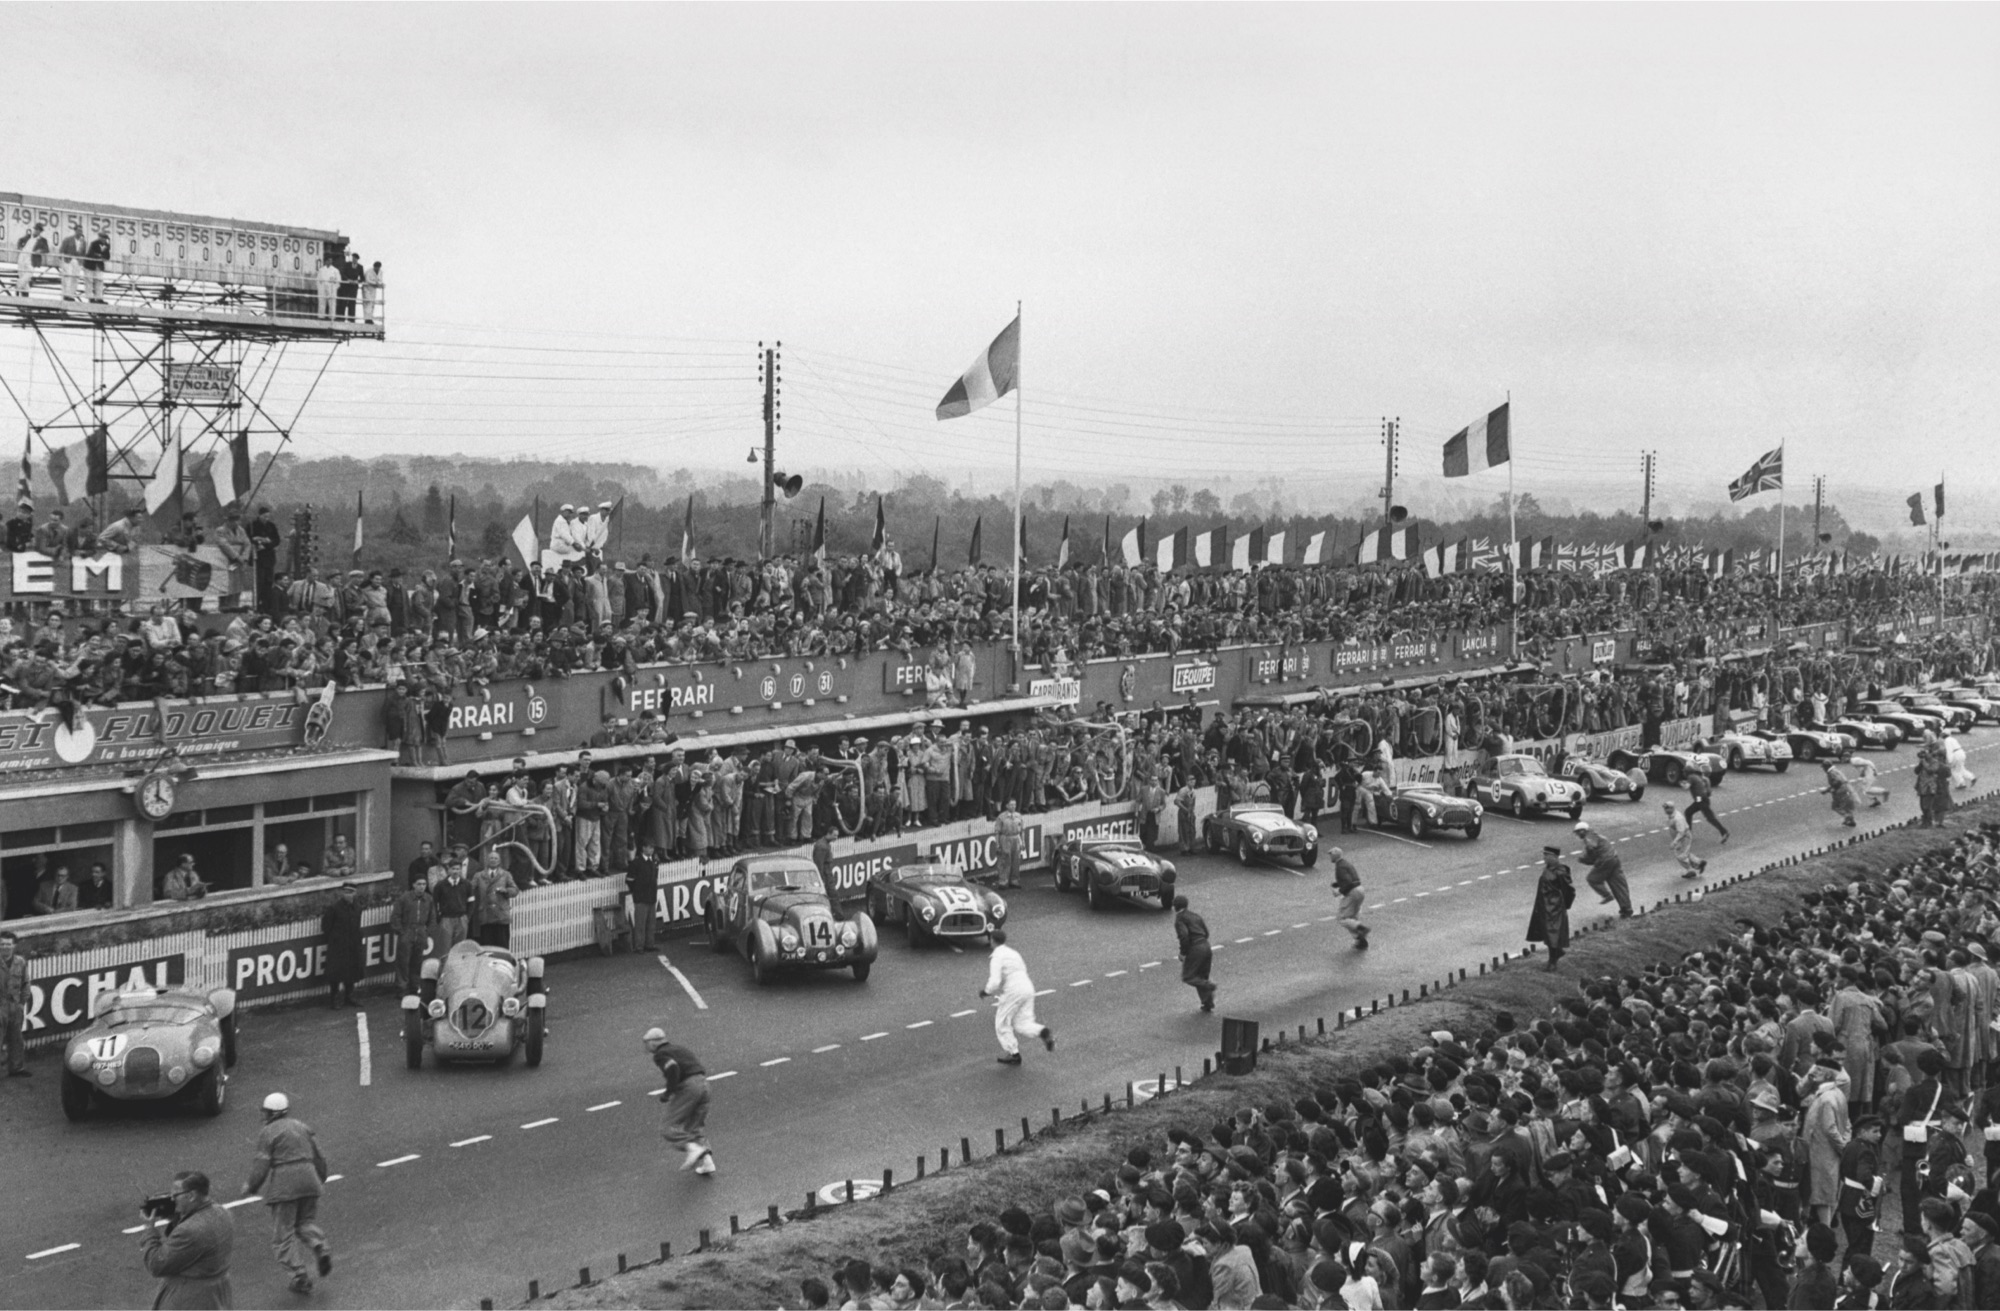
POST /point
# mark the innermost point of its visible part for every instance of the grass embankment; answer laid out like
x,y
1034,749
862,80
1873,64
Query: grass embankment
x,y
761,1268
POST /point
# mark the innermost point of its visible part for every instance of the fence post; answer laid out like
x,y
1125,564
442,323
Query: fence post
x,y
621,1263
920,1167
1131,1095
735,1225
773,1219
999,1142
667,1251
583,1277
850,1190
1026,1132
888,1181
704,1241
965,1151
534,1290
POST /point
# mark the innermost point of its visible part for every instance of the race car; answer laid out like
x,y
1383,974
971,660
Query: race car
x,y
1907,722
1113,869
1421,807
1744,747
1260,828
933,900
1818,743
1668,765
478,1003
1867,732
1521,787
775,911
1982,705
150,1045
1600,780
1956,719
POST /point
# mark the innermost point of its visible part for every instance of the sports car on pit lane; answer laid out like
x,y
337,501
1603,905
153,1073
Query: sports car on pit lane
x,y
1867,733
1907,722
1600,780
775,911
1521,787
1818,743
1669,765
478,1003
151,1044
1261,828
933,900
1113,869
1421,807
1981,704
1956,718
1742,748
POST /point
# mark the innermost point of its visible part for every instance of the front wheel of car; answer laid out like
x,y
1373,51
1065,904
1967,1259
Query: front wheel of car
x,y
212,1093
913,930
1419,824
1096,897
1639,793
228,1027
861,969
760,970
1242,850
538,1028
1806,752
413,1043
1576,811
1472,829
1213,838
1516,807
1784,765
76,1095
1310,856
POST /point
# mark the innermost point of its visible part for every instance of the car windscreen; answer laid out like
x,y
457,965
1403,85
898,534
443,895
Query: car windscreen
x,y
804,878
152,1013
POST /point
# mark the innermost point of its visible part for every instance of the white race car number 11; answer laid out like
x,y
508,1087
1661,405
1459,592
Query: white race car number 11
x,y
108,1047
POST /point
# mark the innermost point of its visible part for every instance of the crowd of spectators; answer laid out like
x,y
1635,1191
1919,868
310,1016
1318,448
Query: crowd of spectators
x,y
1798,1116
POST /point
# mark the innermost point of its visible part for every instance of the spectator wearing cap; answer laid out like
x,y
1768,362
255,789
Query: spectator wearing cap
x,y
1979,1233
1231,1270
1860,1183
1951,1259
1607,871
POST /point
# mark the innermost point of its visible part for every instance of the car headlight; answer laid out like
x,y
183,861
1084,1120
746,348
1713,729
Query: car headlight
x,y
107,1076
788,938
929,911
510,1006
1257,837
1312,834
177,1074
1429,809
437,1008
997,908
79,1060
204,1056
849,935
1478,809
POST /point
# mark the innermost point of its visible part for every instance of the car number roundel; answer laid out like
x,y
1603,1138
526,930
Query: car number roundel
x,y
1127,859
108,1047
955,899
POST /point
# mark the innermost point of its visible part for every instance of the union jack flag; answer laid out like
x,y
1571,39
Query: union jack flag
x,y
1767,474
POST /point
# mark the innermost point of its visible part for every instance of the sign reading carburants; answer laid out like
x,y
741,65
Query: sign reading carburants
x,y
1197,677
1285,665
512,710
1069,691
60,1003
110,736
298,963
848,877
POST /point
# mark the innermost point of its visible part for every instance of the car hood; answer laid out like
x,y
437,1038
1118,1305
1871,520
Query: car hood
x,y
795,907
1441,800
1266,821
1124,862
171,1041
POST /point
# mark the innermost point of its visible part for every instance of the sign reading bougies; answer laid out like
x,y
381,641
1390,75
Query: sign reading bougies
x,y
848,876
115,736
60,1003
298,963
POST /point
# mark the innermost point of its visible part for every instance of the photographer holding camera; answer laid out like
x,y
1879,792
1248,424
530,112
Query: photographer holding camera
x,y
191,1257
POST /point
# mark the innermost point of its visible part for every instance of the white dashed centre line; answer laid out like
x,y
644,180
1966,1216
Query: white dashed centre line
x,y
242,1201
1081,983
1045,992
1302,925
871,1037
601,1106
1445,888
467,1142
1117,974
920,1024
536,1124
53,1251
959,1015
397,1160
1484,877
726,1074
1272,933
1150,965
780,1060
830,1047
361,1036
332,1179
1246,940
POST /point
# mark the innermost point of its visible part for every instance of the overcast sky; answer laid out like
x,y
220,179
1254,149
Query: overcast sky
x,y
1242,233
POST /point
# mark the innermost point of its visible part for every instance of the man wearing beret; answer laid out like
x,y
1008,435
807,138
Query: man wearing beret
x,y
1980,1230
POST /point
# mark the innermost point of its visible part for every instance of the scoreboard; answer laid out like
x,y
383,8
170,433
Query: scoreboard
x,y
179,248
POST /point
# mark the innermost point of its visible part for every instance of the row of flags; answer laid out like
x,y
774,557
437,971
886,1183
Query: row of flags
x,y
84,469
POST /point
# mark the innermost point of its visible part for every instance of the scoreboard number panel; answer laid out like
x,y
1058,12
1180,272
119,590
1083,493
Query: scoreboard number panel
x,y
162,245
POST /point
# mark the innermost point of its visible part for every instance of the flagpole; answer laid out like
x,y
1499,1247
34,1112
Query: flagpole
x,y
1017,507
1513,542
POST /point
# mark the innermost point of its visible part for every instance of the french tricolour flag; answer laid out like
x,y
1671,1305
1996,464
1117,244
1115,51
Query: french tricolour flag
x,y
1481,446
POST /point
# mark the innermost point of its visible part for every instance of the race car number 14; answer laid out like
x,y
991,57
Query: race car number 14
x,y
819,933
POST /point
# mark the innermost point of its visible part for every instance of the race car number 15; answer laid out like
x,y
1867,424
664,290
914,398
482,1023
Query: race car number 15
x,y
957,899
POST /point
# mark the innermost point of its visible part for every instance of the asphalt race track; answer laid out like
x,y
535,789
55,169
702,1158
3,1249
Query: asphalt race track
x,y
458,1183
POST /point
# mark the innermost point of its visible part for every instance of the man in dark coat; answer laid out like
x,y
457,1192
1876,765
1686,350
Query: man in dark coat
x,y
342,926
191,1258
1196,955
1554,893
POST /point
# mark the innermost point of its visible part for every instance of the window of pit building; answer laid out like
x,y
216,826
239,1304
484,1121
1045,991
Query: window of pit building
x,y
233,846
26,855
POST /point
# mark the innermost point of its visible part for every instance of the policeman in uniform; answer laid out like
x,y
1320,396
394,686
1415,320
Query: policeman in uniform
x,y
1196,954
685,1101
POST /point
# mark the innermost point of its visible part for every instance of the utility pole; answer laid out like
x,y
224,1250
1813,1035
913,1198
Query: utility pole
x,y
1389,429
1819,503
1649,469
768,370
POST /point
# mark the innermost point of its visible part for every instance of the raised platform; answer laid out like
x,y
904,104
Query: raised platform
x,y
251,317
